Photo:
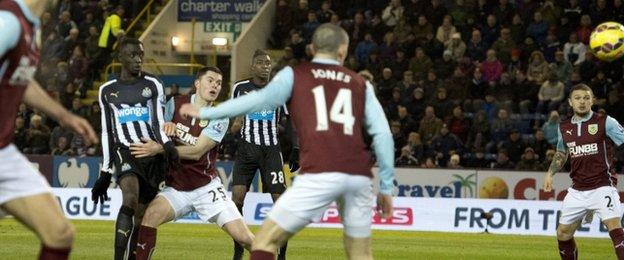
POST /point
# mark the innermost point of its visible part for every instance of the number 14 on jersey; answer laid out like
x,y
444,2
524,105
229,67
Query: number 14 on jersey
x,y
341,111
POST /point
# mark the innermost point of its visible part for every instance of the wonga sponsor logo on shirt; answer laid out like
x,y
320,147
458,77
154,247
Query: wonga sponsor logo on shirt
x,y
133,114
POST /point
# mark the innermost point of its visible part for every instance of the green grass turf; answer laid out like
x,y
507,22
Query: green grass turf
x,y
194,241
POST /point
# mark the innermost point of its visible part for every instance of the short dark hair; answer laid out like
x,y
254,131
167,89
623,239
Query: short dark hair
x,y
201,72
129,41
259,52
583,87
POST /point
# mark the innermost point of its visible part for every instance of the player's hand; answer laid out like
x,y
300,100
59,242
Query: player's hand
x,y
384,205
80,126
548,182
98,192
293,161
146,149
189,110
169,128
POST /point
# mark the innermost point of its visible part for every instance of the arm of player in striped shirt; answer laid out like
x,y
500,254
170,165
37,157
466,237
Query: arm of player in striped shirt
x,y
107,134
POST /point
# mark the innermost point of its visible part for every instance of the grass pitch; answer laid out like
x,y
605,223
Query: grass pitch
x,y
194,241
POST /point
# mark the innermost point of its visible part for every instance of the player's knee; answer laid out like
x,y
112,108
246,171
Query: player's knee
x,y
130,200
152,218
564,233
59,235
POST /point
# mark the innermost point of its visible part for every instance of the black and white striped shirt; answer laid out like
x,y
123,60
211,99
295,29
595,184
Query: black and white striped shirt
x,y
131,111
259,127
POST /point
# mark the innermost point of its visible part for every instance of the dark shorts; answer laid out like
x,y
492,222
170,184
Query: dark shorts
x,y
267,159
150,171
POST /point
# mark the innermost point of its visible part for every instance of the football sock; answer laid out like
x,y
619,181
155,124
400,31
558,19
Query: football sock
x,y
146,243
238,248
617,236
133,243
281,255
123,231
567,250
261,255
48,253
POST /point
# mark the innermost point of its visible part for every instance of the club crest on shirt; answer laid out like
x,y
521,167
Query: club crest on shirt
x,y
592,129
203,123
147,93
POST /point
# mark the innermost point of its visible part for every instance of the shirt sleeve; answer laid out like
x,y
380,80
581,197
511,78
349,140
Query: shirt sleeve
x,y
614,131
169,110
107,133
10,30
275,94
157,116
377,126
561,147
216,129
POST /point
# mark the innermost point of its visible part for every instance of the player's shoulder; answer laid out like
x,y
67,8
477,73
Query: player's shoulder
x,y
151,78
242,83
107,84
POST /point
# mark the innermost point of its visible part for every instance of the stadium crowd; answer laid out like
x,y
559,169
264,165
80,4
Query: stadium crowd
x,y
466,83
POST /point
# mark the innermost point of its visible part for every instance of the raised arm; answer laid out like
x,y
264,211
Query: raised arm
x,y
275,94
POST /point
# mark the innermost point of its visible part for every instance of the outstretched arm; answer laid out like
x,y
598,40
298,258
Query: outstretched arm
x,y
276,93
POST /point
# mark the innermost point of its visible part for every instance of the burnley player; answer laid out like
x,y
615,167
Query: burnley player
x,y
589,139
132,110
24,193
330,106
195,186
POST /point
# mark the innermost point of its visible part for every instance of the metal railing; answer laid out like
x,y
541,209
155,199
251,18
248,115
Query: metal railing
x,y
116,65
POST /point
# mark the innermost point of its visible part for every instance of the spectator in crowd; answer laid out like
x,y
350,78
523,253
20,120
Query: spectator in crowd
x,y
476,47
48,25
442,104
517,28
551,12
432,47
460,14
501,127
62,148
477,160
358,28
406,158
324,15
574,51
407,123
584,30
420,64
514,145
478,86
538,28
70,42
502,161
445,144
492,68
86,24
385,85
37,137
397,135
504,46
310,26
429,163
399,64
588,69
364,48
454,162
539,143
301,12
65,24
458,124
78,109
57,133
423,28
52,47
529,161
490,31
298,45
387,49
19,133
561,67
416,145
446,30
551,128
430,125
431,85
600,85
393,13
446,65
457,87
407,84
538,68
416,104
480,132
550,95
550,47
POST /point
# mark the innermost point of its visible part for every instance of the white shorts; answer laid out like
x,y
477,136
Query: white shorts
x,y
210,201
311,194
18,177
604,201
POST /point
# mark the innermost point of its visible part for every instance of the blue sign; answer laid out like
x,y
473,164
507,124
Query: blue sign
x,y
218,10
